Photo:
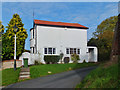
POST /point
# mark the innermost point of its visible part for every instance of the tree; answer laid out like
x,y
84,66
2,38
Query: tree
x,y
8,38
1,31
1,27
92,42
107,24
103,38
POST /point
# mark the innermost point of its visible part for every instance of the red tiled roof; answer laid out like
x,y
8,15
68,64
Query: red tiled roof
x,y
59,24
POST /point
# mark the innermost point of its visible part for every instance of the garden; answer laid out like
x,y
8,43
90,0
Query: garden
x,y
9,76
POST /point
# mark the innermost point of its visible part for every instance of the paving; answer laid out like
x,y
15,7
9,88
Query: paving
x,y
24,73
62,80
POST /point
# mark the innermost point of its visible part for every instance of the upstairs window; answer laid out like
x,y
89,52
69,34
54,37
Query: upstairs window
x,y
33,49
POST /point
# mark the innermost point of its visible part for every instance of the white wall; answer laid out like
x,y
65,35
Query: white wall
x,y
59,38
31,58
93,54
62,38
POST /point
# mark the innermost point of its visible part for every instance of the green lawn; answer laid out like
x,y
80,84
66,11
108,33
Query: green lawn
x,y
42,70
101,78
10,76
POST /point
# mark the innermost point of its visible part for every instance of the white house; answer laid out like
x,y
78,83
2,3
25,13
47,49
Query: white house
x,y
53,38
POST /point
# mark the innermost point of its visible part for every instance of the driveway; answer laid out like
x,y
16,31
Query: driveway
x,y
62,80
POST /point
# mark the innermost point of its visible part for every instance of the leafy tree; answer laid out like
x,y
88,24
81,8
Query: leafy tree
x,y
1,31
8,38
107,24
1,27
103,38
92,42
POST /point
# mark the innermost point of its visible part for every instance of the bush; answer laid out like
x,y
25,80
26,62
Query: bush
x,y
84,61
75,58
51,59
38,63
66,60
103,55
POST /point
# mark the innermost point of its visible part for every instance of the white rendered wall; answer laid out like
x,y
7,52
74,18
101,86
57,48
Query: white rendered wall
x,y
59,38
25,55
62,38
31,58
95,52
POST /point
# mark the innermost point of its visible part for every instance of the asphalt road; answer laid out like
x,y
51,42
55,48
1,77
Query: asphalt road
x,y
62,80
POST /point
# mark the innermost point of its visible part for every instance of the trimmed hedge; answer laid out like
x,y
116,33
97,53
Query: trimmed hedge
x,y
51,58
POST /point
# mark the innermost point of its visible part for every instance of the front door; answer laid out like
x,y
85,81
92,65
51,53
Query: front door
x,y
25,62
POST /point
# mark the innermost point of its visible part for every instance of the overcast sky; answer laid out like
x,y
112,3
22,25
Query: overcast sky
x,y
89,14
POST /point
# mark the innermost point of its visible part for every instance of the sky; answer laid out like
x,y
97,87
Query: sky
x,y
89,14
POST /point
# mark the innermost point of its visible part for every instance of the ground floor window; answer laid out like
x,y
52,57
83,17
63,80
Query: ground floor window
x,y
72,51
67,50
78,51
49,50
45,50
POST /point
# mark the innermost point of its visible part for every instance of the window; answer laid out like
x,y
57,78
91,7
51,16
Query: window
x,y
49,50
72,51
54,51
45,50
78,51
33,49
67,51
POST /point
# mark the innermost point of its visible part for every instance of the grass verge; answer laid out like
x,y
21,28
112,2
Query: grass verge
x,y
101,78
42,70
10,76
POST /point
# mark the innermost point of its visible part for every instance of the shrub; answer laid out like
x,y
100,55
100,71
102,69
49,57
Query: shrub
x,y
66,59
84,61
75,58
61,56
36,62
51,59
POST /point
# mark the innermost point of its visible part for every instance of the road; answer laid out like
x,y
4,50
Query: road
x,y
62,80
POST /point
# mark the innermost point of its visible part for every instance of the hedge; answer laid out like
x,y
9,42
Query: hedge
x,y
51,58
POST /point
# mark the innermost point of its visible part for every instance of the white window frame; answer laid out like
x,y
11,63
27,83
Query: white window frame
x,y
73,50
66,50
48,51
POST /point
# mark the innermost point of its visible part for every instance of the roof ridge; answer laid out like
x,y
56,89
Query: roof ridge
x,y
36,21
